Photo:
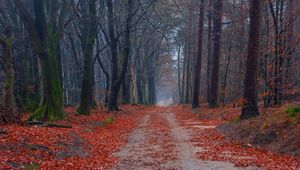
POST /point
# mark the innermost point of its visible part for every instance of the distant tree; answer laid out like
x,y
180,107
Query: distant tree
x,y
250,108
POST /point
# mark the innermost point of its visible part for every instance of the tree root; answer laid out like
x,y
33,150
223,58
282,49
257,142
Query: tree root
x,y
46,113
47,124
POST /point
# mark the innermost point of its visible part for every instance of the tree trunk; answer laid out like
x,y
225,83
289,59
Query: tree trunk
x,y
209,50
179,75
290,40
278,47
87,101
117,78
151,87
133,87
113,98
52,105
107,80
250,108
225,77
217,29
126,87
9,71
267,82
196,91
187,85
139,82
45,44
51,108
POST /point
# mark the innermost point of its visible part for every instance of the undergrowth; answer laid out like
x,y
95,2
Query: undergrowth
x,y
293,111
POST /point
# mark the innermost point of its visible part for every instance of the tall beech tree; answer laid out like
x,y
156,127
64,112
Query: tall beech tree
x,y
216,33
250,108
209,49
290,38
8,69
196,91
126,52
6,42
45,34
89,35
118,72
189,55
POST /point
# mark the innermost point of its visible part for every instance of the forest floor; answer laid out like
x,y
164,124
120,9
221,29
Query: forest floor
x,y
138,138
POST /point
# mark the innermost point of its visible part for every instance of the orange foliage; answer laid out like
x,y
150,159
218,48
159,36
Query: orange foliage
x,y
217,148
88,145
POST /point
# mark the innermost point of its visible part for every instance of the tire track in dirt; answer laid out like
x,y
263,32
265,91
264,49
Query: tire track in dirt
x,y
159,142
150,146
187,150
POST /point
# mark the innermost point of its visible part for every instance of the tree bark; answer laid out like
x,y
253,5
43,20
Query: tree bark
x,y
223,89
196,91
209,50
290,40
45,44
139,81
9,71
126,86
217,29
117,78
179,74
250,108
87,100
188,56
184,73
151,86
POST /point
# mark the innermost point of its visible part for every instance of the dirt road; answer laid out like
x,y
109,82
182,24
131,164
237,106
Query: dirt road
x,y
160,142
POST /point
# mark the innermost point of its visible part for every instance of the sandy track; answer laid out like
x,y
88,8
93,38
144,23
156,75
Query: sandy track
x,y
160,142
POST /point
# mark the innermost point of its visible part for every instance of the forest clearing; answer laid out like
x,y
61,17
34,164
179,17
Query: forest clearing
x,y
150,84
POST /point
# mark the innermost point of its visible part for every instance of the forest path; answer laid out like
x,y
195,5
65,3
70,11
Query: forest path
x,y
159,142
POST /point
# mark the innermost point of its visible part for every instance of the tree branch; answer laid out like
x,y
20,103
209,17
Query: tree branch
x,y
28,22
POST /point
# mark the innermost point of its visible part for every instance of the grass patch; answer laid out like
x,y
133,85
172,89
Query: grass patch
x,y
293,111
30,166
109,120
236,119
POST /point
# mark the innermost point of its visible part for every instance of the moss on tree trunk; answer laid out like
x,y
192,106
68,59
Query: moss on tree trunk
x,y
9,71
87,98
51,108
